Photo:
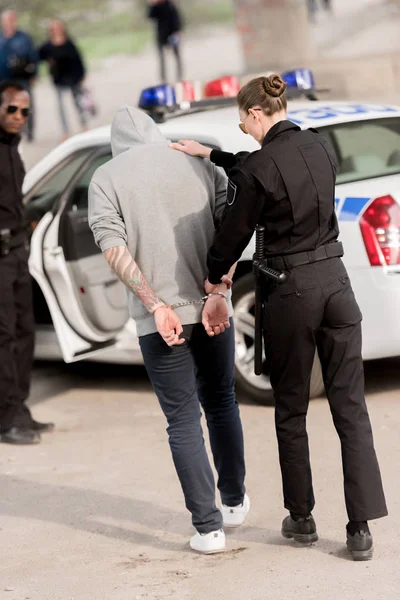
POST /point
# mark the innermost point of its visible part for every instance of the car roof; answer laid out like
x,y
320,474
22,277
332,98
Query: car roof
x,y
215,126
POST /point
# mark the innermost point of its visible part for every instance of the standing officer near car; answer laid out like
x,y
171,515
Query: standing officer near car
x,y
288,187
17,324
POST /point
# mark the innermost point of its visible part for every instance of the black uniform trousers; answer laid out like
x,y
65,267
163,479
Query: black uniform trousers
x,y
316,308
17,330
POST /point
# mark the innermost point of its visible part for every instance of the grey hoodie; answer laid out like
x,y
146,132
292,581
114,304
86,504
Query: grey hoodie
x,y
163,205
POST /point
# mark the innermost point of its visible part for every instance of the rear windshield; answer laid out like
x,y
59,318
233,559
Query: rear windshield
x,y
365,149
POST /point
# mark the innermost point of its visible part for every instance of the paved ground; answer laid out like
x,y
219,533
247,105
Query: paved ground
x,y
96,513
357,28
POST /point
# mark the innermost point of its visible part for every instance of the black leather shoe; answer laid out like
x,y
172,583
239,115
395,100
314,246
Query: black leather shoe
x,y
360,545
303,531
17,435
41,427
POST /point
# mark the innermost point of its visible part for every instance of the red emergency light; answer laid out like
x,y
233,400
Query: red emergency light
x,y
227,87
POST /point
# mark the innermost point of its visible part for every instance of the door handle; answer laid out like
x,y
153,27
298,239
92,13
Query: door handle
x,y
56,251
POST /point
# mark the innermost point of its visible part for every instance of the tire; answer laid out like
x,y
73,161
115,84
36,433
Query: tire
x,y
250,386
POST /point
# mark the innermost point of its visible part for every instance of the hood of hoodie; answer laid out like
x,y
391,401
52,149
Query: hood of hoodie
x,y
132,127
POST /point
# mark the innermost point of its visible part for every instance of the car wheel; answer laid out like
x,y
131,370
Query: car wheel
x,y
254,387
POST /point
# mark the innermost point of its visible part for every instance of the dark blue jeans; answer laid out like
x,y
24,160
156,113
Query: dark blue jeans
x,y
200,371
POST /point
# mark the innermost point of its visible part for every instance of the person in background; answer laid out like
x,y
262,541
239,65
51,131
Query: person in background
x,y
169,26
17,323
18,59
327,4
66,69
312,6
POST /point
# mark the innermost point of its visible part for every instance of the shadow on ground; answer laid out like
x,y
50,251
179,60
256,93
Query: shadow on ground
x,y
89,510
53,378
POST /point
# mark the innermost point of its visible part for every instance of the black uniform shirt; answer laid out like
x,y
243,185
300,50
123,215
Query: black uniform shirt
x,y
12,174
288,186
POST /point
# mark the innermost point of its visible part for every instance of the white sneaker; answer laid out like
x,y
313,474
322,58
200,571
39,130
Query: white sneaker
x,y
234,516
208,543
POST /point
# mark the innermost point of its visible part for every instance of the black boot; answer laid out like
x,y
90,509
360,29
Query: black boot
x,y
41,427
17,435
301,529
359,540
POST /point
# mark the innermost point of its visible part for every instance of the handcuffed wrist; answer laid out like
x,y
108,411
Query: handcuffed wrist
x,y
217,294
157,306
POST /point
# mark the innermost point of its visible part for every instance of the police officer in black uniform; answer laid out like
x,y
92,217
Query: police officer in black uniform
x,y
17,324
288,186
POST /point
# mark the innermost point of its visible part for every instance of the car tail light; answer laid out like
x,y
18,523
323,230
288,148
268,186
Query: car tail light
x,y
380,228
225,86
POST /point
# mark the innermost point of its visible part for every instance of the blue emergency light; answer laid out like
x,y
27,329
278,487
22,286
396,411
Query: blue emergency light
x,y
157,96
299,79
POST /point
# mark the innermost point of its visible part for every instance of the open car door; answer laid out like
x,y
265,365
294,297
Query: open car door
x,y
87,302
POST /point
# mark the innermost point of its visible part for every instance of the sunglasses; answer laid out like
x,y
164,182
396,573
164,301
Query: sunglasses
x,y
242,126
11,110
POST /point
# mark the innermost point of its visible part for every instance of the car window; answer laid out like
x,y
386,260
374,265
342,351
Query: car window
x,y
79,196
366,149
42,197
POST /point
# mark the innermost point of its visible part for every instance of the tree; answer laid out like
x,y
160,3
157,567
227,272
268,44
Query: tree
x,y
274,33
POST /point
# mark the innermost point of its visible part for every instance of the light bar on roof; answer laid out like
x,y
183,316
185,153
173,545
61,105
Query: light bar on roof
x,y
164,101
226,87
157,96
299,79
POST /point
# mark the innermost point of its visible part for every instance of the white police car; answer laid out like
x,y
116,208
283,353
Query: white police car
x,y
81,306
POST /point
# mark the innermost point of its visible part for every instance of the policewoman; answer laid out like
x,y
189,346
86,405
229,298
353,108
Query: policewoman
x,y
288,186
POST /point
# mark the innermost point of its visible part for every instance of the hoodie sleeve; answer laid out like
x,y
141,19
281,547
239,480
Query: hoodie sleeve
x,y
105,219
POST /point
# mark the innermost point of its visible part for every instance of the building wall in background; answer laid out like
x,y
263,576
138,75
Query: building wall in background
x,y
274,33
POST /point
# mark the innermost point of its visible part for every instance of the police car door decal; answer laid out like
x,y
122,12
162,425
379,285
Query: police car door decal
x,y
231,193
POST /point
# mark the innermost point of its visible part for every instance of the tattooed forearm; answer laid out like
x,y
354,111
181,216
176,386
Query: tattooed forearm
x,y
125,267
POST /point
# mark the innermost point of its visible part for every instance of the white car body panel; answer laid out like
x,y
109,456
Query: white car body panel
x,y
72,346
377,289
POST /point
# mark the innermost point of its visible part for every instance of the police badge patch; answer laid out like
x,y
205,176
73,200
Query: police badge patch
x,y
231,193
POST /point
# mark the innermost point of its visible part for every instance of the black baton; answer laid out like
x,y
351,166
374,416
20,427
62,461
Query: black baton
x,y
258,333
260,267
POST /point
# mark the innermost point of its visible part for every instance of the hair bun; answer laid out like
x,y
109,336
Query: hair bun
x,y
274,85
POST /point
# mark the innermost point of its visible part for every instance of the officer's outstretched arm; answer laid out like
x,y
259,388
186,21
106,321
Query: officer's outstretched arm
x,y
226,160
237,227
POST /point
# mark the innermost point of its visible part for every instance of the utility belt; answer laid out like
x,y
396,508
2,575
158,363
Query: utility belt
x,y
10,239
290,261
274,269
